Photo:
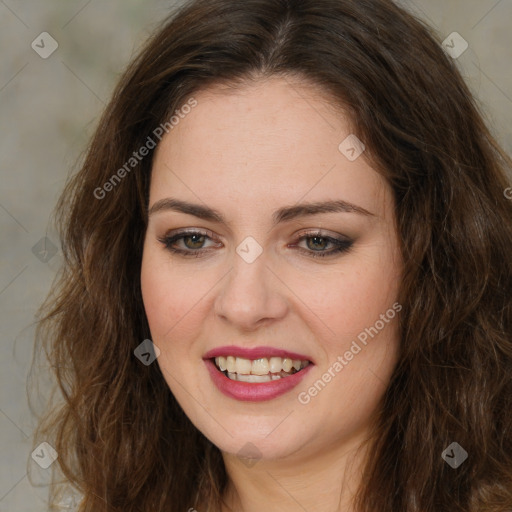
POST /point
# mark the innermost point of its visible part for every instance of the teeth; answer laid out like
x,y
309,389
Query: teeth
x,y
221,363
260,366
230,364
263,369
256,378
243,366
275,364
253,378
287,364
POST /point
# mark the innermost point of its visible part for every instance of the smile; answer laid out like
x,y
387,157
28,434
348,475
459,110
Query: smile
x,y
256,374
259,370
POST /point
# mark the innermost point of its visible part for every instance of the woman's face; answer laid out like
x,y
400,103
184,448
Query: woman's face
x,y
288,259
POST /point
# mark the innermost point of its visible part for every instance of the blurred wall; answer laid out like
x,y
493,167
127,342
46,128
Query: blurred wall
x,y
49,108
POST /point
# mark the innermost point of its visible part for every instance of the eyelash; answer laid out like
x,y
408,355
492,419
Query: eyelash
x,y
341,245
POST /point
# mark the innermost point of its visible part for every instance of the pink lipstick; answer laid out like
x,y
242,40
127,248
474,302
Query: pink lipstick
x,y
270,367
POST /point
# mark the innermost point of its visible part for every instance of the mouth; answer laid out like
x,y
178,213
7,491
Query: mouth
x,y
263,369
256,374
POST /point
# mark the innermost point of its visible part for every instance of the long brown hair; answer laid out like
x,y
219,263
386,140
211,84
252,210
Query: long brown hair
x,y
121,437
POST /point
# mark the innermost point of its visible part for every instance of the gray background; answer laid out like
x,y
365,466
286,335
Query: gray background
x,y
49,109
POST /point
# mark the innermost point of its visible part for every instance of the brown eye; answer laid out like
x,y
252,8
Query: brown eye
x,y
317,243
196,241
319,246
189,243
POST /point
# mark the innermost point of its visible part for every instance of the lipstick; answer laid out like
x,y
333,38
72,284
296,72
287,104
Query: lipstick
x,y
248,391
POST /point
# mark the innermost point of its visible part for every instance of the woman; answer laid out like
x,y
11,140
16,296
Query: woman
x,y
288,278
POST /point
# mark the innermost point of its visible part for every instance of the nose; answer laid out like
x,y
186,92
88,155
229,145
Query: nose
x,y
251,295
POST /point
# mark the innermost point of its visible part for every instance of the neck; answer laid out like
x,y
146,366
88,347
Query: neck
x,y
320,481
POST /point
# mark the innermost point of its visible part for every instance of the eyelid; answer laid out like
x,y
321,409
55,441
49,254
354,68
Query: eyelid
x,y
303,233
191,231
322,233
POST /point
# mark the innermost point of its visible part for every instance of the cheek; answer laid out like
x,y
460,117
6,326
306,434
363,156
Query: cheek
x,y
162,304
342,303
173,296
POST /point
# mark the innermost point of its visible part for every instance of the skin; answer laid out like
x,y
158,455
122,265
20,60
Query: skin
x,y
247,152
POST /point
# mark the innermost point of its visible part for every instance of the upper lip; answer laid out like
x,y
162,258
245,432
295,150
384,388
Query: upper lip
x,y
253,353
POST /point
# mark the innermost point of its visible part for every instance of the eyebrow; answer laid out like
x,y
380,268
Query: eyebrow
x,y
281,215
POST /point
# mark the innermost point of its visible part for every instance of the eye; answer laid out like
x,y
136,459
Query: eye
x,y
317,244
192,242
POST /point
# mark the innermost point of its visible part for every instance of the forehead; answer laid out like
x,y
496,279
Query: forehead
x,y
272,140
263,115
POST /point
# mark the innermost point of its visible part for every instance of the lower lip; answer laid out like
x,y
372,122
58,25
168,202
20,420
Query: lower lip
x,y
254,392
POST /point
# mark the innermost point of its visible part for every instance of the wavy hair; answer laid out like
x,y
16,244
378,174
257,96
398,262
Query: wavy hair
x,y
122,439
